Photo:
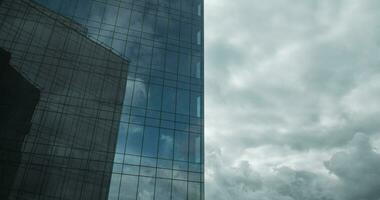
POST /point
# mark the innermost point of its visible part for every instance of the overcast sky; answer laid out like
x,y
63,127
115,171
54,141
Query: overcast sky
x,y
292,99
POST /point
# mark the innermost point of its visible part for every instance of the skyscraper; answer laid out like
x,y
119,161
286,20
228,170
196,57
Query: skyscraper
x,y
147,144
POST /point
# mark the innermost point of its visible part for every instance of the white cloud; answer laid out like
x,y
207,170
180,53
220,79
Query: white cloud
x,y
288,84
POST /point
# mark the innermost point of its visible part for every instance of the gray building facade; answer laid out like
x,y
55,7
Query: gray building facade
x,y
105,128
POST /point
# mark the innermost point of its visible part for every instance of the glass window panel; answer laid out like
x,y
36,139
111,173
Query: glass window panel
x,y
194,192
148,171
128,93
83,8
179,190
110,15
145,56
175,4
68,7
132,51
169,98
118,46
195,104
114,187
132,160
164,3
134,142
97,11
165,163
139,94
150,162
186,5
154,97
149,23
198,106
183,100
195,67
136,20
184,64
198,70
199,38
123,17
146,188
131,170
161,27
181,147
164,173
122,138
180,165
52,4
163,189
195,148
199,10
186,32
158,59
128,187
171,62
174,29
166,144
150,142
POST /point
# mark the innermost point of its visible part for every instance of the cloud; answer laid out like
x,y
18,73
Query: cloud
x,y
354,174
358,170
288,84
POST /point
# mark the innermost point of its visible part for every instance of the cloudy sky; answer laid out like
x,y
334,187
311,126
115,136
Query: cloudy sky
x,y
292,99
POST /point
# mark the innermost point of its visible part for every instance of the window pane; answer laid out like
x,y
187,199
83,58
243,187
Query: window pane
x,y
136,20
154,97
134,141
139,94
184,64
166,144
181,147
145,56
163,187
158,59
169,98
183,100
122,137
150,141
174,29
186,32
194,191
195,148
68,7
179,190
196,67
146,188
83,8
110,15
128,187
161,27
123,17
171,62
195,104
114,187
149,23
128,93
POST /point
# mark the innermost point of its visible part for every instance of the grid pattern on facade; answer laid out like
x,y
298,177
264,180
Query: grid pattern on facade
x,y
68,152
158,152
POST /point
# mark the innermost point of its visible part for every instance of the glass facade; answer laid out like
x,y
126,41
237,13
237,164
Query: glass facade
x,y
105,128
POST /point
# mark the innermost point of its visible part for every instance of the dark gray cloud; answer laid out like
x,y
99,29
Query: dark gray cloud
x,y
289,84
358,170
354,174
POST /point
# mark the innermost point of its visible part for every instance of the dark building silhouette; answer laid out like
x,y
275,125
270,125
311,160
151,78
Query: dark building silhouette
x,y
105,128
17,103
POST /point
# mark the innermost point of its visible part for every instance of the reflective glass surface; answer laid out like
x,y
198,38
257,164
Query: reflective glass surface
x,y
155,112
